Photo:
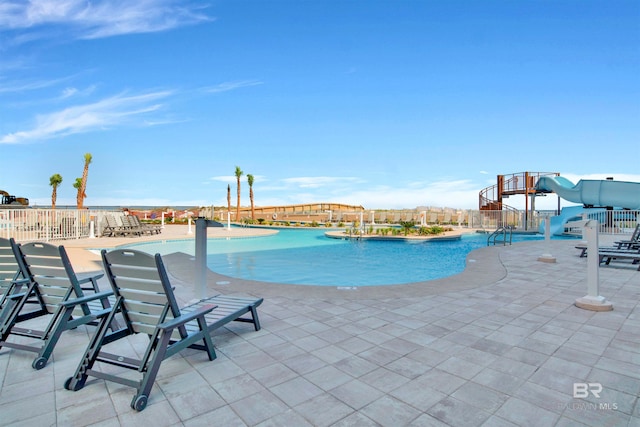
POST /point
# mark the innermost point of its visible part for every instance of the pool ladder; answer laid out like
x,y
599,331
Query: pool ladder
x,y
502,235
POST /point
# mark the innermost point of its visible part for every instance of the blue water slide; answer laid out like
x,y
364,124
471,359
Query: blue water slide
x,y
557,222
568,214
618,194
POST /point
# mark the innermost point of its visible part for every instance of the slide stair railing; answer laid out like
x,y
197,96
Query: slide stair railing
x,y
520,183
502,235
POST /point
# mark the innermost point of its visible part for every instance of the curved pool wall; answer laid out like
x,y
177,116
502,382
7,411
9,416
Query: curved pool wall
x,y
308,257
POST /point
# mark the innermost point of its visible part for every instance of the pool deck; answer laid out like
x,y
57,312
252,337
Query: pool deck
x,y
501,344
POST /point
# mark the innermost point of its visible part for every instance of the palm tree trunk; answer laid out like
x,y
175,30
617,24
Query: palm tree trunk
x,y
238,205
83,187
238,175
253,213
79,199
54,197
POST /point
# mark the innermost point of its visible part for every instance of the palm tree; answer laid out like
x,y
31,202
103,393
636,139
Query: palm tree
x,y
78,186
54,181
250,181
82,189
407,226
238,175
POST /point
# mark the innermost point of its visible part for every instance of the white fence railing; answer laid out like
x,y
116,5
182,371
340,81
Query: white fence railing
x,y
61,224
51,224
609,221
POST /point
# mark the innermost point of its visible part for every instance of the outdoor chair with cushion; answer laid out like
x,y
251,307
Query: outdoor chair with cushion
x,y
148,305
51,285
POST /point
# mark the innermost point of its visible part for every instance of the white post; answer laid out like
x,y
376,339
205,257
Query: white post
x,y
162,220
189,231
228,220
592,301
361,222
546,256
373,217
92,230
584,230
423,218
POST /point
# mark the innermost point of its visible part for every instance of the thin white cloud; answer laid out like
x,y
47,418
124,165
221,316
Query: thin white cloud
x,y
461,194
227,86
231,179
319,181
100,18
162,122
24,86
114,111
70,92
224,178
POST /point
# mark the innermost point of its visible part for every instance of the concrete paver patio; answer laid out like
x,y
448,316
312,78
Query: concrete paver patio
x,y
501,344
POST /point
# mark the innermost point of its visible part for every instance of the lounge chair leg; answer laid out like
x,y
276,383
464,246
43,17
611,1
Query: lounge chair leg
x,y
141,397
256,321
58,326
208,342
139,402
77,381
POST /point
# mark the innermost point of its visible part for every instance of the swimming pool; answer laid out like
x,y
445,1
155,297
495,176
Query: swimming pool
x,y
308,257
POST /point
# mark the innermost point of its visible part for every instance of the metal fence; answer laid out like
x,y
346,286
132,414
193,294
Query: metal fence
x,y
52,224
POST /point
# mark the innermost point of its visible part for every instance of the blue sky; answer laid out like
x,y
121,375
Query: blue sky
x,y
380,103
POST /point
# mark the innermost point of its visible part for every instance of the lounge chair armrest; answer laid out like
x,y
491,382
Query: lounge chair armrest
x,y
90,278
187,317
86,299
93,280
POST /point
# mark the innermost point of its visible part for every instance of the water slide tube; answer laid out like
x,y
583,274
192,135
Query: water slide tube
x,y
601,193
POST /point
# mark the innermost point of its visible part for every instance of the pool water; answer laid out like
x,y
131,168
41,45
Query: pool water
x,y
308,257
